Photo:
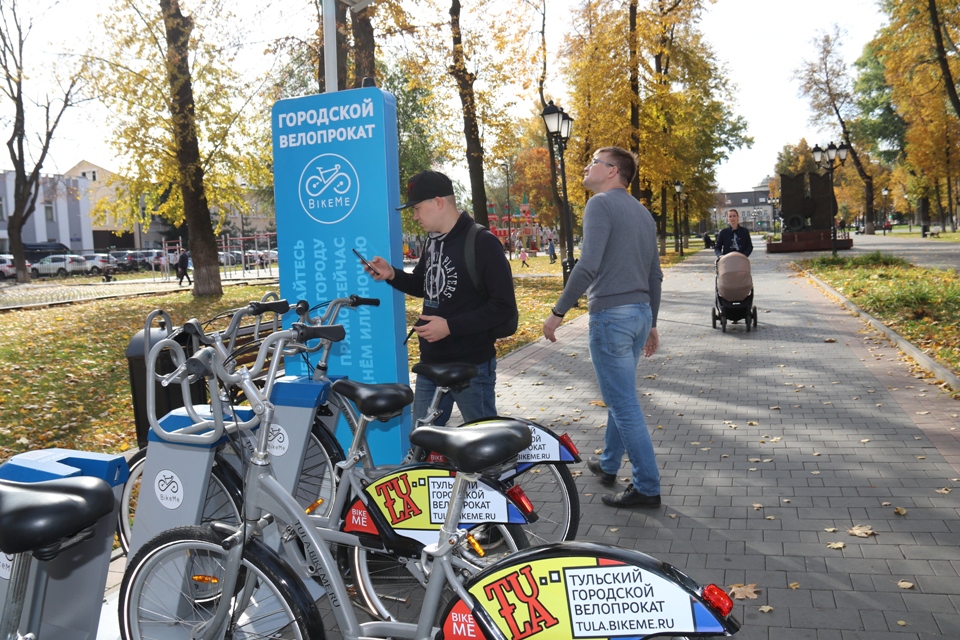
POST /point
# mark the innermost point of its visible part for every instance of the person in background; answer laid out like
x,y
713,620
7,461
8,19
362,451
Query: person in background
x,y
734,237
523,258
552,250
183,264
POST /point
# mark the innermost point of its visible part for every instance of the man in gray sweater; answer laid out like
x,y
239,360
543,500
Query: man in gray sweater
x,y
619,269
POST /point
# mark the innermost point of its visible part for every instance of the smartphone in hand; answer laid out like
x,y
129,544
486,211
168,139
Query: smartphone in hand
x,y
366,263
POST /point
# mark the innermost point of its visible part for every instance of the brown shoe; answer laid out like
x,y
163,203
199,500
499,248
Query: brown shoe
x,y
630,497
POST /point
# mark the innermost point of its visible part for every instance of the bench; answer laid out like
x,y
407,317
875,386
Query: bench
x,y
933,234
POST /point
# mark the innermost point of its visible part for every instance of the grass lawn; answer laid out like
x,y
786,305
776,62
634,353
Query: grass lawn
x,y
64,376
922,305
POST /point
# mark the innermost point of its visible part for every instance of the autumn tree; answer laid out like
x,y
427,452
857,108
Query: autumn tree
x,y
177,122
28,149
826,82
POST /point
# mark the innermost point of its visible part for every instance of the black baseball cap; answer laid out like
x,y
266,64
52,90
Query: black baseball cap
x,y
426,185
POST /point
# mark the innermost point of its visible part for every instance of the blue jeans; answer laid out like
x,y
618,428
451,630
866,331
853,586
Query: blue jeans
x,y
479,400
617,337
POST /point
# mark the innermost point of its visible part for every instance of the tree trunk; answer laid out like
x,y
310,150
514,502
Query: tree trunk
x,y
363,46
203,246
937,29
471,129
634,97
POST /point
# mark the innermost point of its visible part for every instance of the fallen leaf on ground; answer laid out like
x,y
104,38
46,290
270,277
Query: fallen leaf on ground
x,y
835,545
673,515
900,511
815,473
766,608
598,403
901,623
794,585
865,440
923,413
862,531
743,591
829,339
771,517
884,504
944,491
831,530
757,506
903,584
754,423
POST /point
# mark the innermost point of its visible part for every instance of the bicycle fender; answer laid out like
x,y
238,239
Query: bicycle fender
x,y
578,590
411,502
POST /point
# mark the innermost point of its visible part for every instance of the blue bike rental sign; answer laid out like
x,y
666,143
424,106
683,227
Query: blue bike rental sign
x,y
336,181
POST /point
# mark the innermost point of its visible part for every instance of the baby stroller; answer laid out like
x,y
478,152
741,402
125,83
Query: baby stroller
x,y
734,292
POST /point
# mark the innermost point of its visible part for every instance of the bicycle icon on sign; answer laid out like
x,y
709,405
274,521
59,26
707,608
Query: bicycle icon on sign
x,y
276,435
168,484
329,188
316,185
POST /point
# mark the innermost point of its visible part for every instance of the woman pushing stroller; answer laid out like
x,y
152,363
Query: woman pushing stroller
x,y
734,237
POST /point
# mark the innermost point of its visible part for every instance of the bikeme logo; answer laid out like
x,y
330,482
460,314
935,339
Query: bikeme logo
x,y
6,565
168,488
329,188
278,441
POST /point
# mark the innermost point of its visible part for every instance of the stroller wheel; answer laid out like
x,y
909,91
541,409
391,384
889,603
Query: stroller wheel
x,y
747,324
713,316
723,323
754,314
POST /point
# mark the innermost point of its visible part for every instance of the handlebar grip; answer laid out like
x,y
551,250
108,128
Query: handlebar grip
x,y
276,306
197,367
333,332
357,301
302,307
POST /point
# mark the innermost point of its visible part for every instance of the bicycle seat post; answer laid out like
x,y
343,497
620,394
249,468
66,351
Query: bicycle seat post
x,y
16,594
433,411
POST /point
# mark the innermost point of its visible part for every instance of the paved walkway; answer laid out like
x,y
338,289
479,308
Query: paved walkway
x,y
923,252
767,441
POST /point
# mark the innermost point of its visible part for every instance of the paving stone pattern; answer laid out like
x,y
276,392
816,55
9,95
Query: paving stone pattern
x,y
765,440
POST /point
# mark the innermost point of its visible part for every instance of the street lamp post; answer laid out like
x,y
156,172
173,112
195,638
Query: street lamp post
x,y
826,160
506,170
684,224
677,244
885,193
774,203
559,125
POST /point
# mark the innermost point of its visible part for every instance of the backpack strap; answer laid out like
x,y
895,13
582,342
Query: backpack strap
x,y
470,258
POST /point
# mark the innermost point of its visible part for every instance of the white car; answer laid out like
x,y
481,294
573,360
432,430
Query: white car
x,y
98,263
7,269
62,266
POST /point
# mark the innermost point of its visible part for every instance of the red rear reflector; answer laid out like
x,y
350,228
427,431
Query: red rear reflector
x,y
568,443
718,599
520,498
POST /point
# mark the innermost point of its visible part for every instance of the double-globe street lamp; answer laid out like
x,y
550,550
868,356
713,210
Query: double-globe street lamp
x,y
559,126
885,193
774,203
506,170
826,159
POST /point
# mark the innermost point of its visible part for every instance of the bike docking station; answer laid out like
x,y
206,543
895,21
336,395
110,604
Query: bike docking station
x,y
64,594
336,168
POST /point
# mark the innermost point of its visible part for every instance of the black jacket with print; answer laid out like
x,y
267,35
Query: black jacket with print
x,y
441,277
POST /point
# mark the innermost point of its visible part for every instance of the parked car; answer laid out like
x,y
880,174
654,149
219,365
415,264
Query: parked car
x,y
62,266
98,263
7,268
227,258
124,260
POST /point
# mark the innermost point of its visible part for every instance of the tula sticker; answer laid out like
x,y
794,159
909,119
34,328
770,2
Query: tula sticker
x,y
542,447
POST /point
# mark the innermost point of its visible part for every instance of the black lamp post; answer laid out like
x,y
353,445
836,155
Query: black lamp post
x,y
559,125
826,160
677,245
506,170
885,193
774,203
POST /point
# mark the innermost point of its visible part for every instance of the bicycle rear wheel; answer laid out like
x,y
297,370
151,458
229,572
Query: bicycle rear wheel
x,y
319,476
392,588
222,502
172,584
551,489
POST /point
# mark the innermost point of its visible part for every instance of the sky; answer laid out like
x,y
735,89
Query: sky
x,y
761,42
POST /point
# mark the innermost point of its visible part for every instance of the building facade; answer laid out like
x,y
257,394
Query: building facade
x,y
756,211
62,212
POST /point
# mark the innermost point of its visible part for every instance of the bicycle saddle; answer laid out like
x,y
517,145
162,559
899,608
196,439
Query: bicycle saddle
x,y
39,514
381,401
477,446
455,375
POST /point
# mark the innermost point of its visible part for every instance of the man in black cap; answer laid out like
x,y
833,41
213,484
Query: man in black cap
x,y
458,314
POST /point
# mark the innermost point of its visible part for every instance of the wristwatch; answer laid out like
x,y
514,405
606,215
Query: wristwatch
x,y
556,313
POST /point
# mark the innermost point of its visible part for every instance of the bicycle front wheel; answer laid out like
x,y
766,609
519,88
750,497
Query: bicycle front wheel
x,y
173,584
392,588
